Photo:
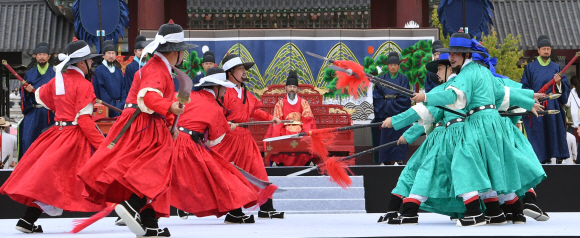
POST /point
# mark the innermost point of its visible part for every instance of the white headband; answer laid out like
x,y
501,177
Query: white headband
x,y
231,63
160,40
219,78
59,84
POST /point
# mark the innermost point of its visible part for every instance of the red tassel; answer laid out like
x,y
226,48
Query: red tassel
x,y
80,224
337,170
266,193
318,140
353,82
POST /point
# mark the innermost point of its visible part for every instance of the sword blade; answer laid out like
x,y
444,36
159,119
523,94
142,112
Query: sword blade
x,y
281,138
256,181
319,56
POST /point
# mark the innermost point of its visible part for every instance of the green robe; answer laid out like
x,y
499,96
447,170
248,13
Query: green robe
x,y
488,155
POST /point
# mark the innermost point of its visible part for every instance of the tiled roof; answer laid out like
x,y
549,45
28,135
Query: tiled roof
x,y
559,19
25,23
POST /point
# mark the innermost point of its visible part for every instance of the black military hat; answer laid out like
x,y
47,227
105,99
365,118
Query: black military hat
x,y
393,58
232,60
140,42
42,47
459,43
108,45
208,56
436,45
75,46
543,41
176,44
215,76
292,78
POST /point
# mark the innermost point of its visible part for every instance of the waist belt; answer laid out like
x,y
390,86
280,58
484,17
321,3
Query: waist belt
x,y
449,123
438,124
391,96
117,100
195,136
130,105
65,123
477,109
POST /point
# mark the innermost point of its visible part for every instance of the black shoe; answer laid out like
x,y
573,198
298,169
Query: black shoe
x,y
404,220
474,220
532,210
231,219
509,217
131,217
182,214
156,232
389,216
453,218
271,214
120,222
499,219
27,227
519,219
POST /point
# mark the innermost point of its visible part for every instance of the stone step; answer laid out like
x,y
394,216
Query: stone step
x,y
321,193
311,181
318,204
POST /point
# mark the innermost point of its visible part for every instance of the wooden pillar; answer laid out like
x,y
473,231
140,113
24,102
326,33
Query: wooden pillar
x,y
410,10
383,13
133,24
176,10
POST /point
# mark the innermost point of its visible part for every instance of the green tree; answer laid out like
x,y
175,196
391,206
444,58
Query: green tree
x,y
508,54
329,77
413,62
192,64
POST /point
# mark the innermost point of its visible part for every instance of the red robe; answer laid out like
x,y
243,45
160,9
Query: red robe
x,y
48,168
299,112
141,160
204,183
239,146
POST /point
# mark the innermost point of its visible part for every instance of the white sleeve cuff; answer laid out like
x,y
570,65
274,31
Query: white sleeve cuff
x,y
87,110
37,97
505,104
213,143
461,101
428,128
424,113
141,102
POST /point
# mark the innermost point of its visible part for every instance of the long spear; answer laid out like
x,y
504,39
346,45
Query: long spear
x,y
551,96
510,114
252,123
377,80
318,131
337,168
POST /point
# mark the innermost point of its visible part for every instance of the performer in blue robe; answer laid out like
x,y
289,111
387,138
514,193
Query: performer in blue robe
x,y
108,80
547,134
388,103
432,80
208,62
36,117
133,67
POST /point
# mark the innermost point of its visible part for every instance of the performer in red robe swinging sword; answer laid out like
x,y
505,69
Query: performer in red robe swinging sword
x,y
45,178
134,164
239,146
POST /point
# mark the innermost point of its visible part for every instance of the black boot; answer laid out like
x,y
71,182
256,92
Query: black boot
x,y
493,214
532,210
267,211
129,213
182,214
507,211
517,209
151,226
473,215
238,217
408,216
26,223
392,209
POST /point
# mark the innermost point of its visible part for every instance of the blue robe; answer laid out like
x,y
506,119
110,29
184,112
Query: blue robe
x,y
130,71
430,81
547,134
111,87
35,118
388,107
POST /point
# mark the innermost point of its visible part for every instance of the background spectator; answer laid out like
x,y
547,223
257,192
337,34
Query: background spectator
x,y
574,105
9,145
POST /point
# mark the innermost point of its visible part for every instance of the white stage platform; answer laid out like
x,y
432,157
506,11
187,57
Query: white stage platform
x,y
308,225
